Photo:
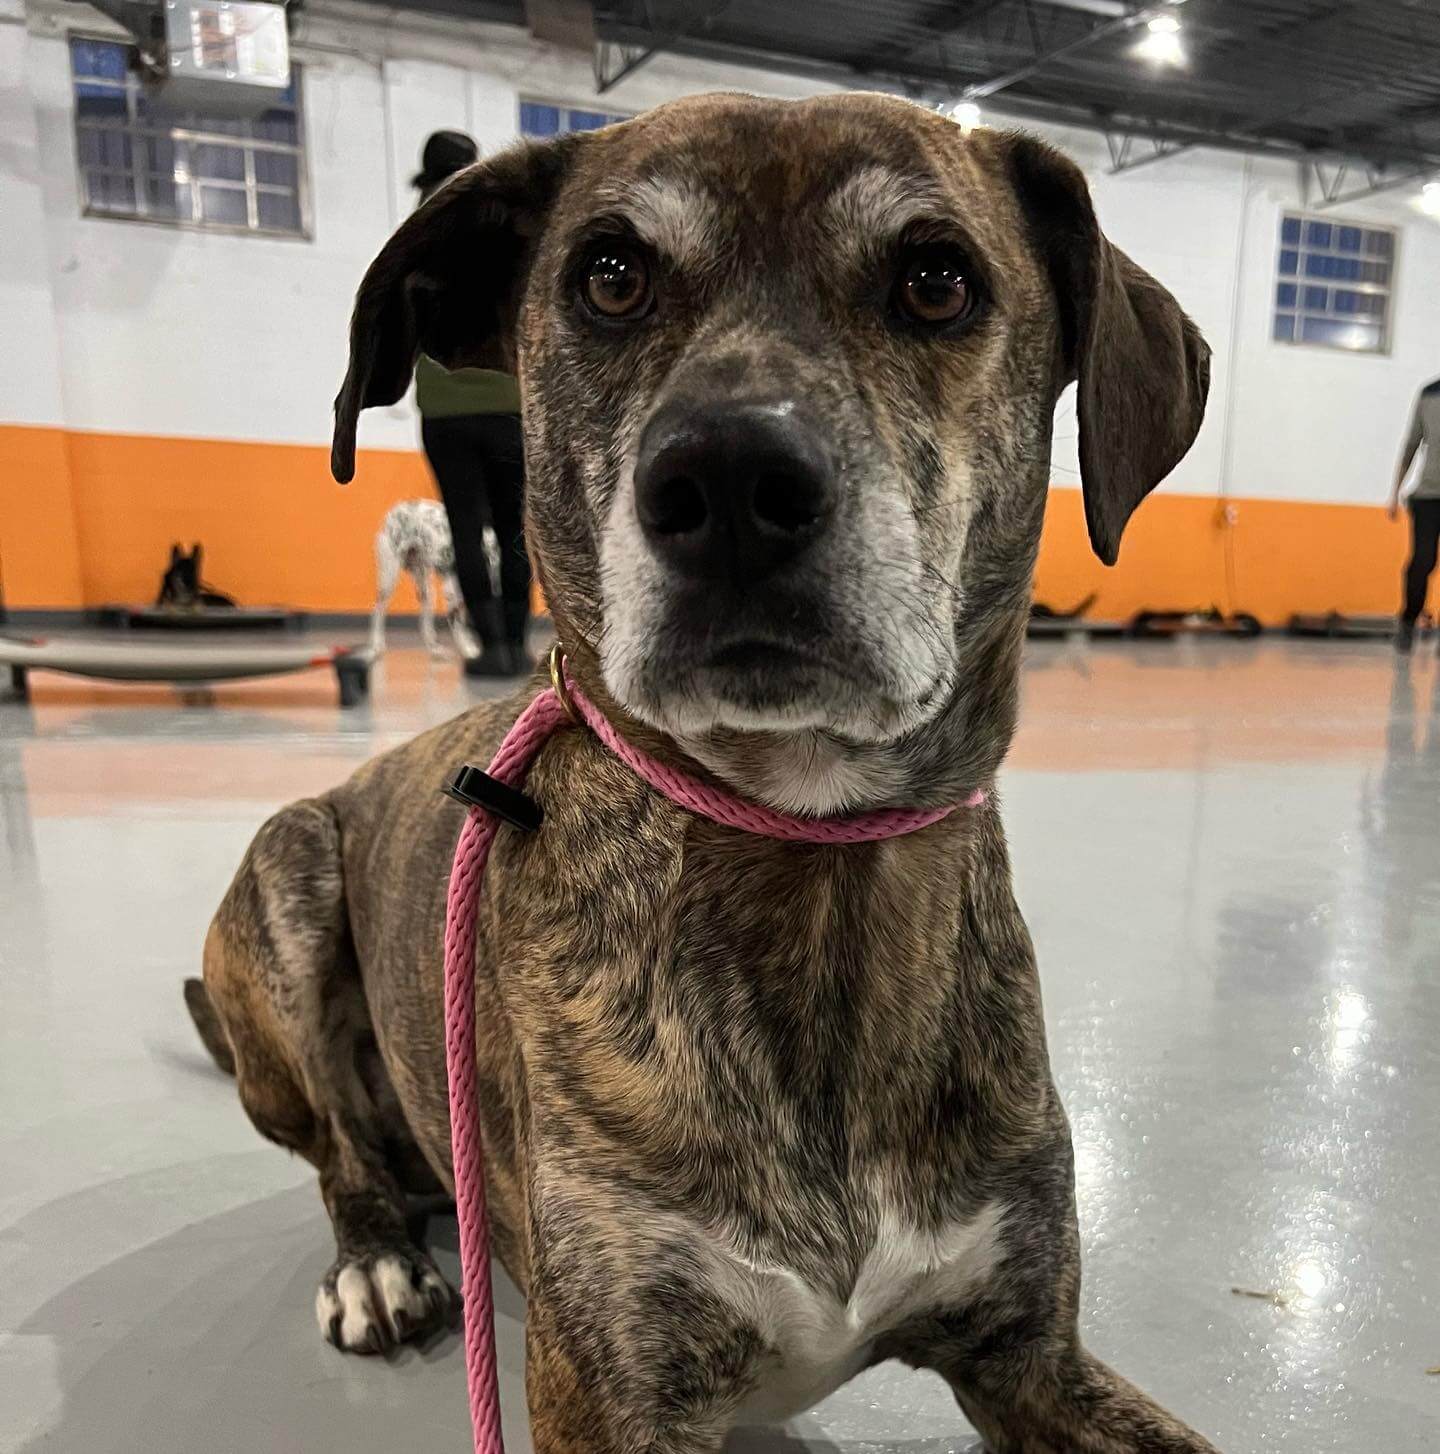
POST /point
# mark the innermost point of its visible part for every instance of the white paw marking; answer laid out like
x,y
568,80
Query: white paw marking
x,y
357,1323
403,1302
375,1304
327,1305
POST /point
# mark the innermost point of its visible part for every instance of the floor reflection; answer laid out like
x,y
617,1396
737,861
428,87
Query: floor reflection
x,y
1229,856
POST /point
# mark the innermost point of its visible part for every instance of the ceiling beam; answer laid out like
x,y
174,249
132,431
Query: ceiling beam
x,y
1107,8
616,58
1377,180
983,90
612,61
1346,143
1130,150
937,84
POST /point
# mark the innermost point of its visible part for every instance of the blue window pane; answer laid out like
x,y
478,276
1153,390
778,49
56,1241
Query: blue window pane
x,y
102,58
163,196
1316,267
1347,302
1318,234
1285,295
224,205
1347,268
277,169
99,103
537,120
226,163
1284,328
1289,264
276,126
1317,298
279,211
1375,273
1379,244
1349,239
587,120
112,191
1340,333
107,149
159,154
1290,230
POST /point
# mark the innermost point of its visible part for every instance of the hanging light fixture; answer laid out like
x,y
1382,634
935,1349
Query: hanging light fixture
x,y
967,114
1161,42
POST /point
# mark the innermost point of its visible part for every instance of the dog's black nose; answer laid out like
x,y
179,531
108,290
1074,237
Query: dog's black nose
x,y
729,491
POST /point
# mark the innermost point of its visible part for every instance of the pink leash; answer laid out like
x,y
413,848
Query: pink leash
x,y
494,797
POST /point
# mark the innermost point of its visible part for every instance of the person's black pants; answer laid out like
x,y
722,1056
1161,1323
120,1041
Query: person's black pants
x,y
478,461
1425,537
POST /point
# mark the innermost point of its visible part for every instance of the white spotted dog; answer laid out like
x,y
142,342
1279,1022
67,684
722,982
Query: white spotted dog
x,y
415,537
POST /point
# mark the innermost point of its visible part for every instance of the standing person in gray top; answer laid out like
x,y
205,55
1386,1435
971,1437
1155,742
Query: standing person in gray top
x,y
1424,505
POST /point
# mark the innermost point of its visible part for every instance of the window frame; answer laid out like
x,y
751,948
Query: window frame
x,y
138,131
1299,280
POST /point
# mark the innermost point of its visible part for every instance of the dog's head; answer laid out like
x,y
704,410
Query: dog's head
x,y
789,373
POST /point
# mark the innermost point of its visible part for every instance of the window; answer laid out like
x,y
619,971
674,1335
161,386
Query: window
x,y
1334,285
540,118
138,160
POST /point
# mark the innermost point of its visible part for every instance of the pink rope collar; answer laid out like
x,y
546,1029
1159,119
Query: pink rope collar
x,y
549,711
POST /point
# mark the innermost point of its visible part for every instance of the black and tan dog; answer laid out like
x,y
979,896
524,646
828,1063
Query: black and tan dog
x,y
756,1115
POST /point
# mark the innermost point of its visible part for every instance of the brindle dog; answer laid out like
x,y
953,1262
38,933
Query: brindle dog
x,y
756,1115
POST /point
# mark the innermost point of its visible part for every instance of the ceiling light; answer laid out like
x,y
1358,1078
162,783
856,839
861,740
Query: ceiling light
x,y
1161,42
1430,198
967,113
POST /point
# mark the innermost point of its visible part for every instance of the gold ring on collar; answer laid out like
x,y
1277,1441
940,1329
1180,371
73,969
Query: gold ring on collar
x,y
558,682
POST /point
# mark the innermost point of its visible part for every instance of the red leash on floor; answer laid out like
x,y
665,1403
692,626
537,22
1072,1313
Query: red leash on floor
x,y
492,797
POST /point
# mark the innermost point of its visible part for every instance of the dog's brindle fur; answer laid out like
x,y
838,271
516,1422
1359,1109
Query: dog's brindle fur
x,y
755,1114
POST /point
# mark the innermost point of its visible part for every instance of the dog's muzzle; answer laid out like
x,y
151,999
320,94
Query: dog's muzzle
x,y
732,494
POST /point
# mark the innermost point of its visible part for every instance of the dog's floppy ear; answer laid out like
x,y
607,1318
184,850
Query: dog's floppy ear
x,y
1142,365
449,282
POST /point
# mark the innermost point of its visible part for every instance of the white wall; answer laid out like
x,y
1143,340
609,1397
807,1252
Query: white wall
x,y
146,329
30,389
1180,219
1315,423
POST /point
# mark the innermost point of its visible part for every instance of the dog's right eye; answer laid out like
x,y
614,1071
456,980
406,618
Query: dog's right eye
x,y
615,281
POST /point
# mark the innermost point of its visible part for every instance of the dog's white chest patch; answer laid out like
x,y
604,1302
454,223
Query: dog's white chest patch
x,y
821,1342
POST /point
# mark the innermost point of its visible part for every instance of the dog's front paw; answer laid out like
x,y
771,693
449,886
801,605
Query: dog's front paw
x,y
372,1304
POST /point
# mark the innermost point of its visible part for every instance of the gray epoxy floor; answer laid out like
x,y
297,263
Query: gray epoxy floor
x,y
1229,855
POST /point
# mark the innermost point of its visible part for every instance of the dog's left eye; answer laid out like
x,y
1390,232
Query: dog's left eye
x,y
933,286
616,281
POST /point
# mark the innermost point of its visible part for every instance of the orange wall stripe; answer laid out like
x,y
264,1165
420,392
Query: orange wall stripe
x,y
87,519
277,529
1283,557
39,552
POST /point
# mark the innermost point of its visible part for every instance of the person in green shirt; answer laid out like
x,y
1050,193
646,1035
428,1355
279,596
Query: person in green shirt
x,y
470,428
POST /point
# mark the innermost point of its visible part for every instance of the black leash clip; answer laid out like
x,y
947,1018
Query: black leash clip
x,y
476,789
